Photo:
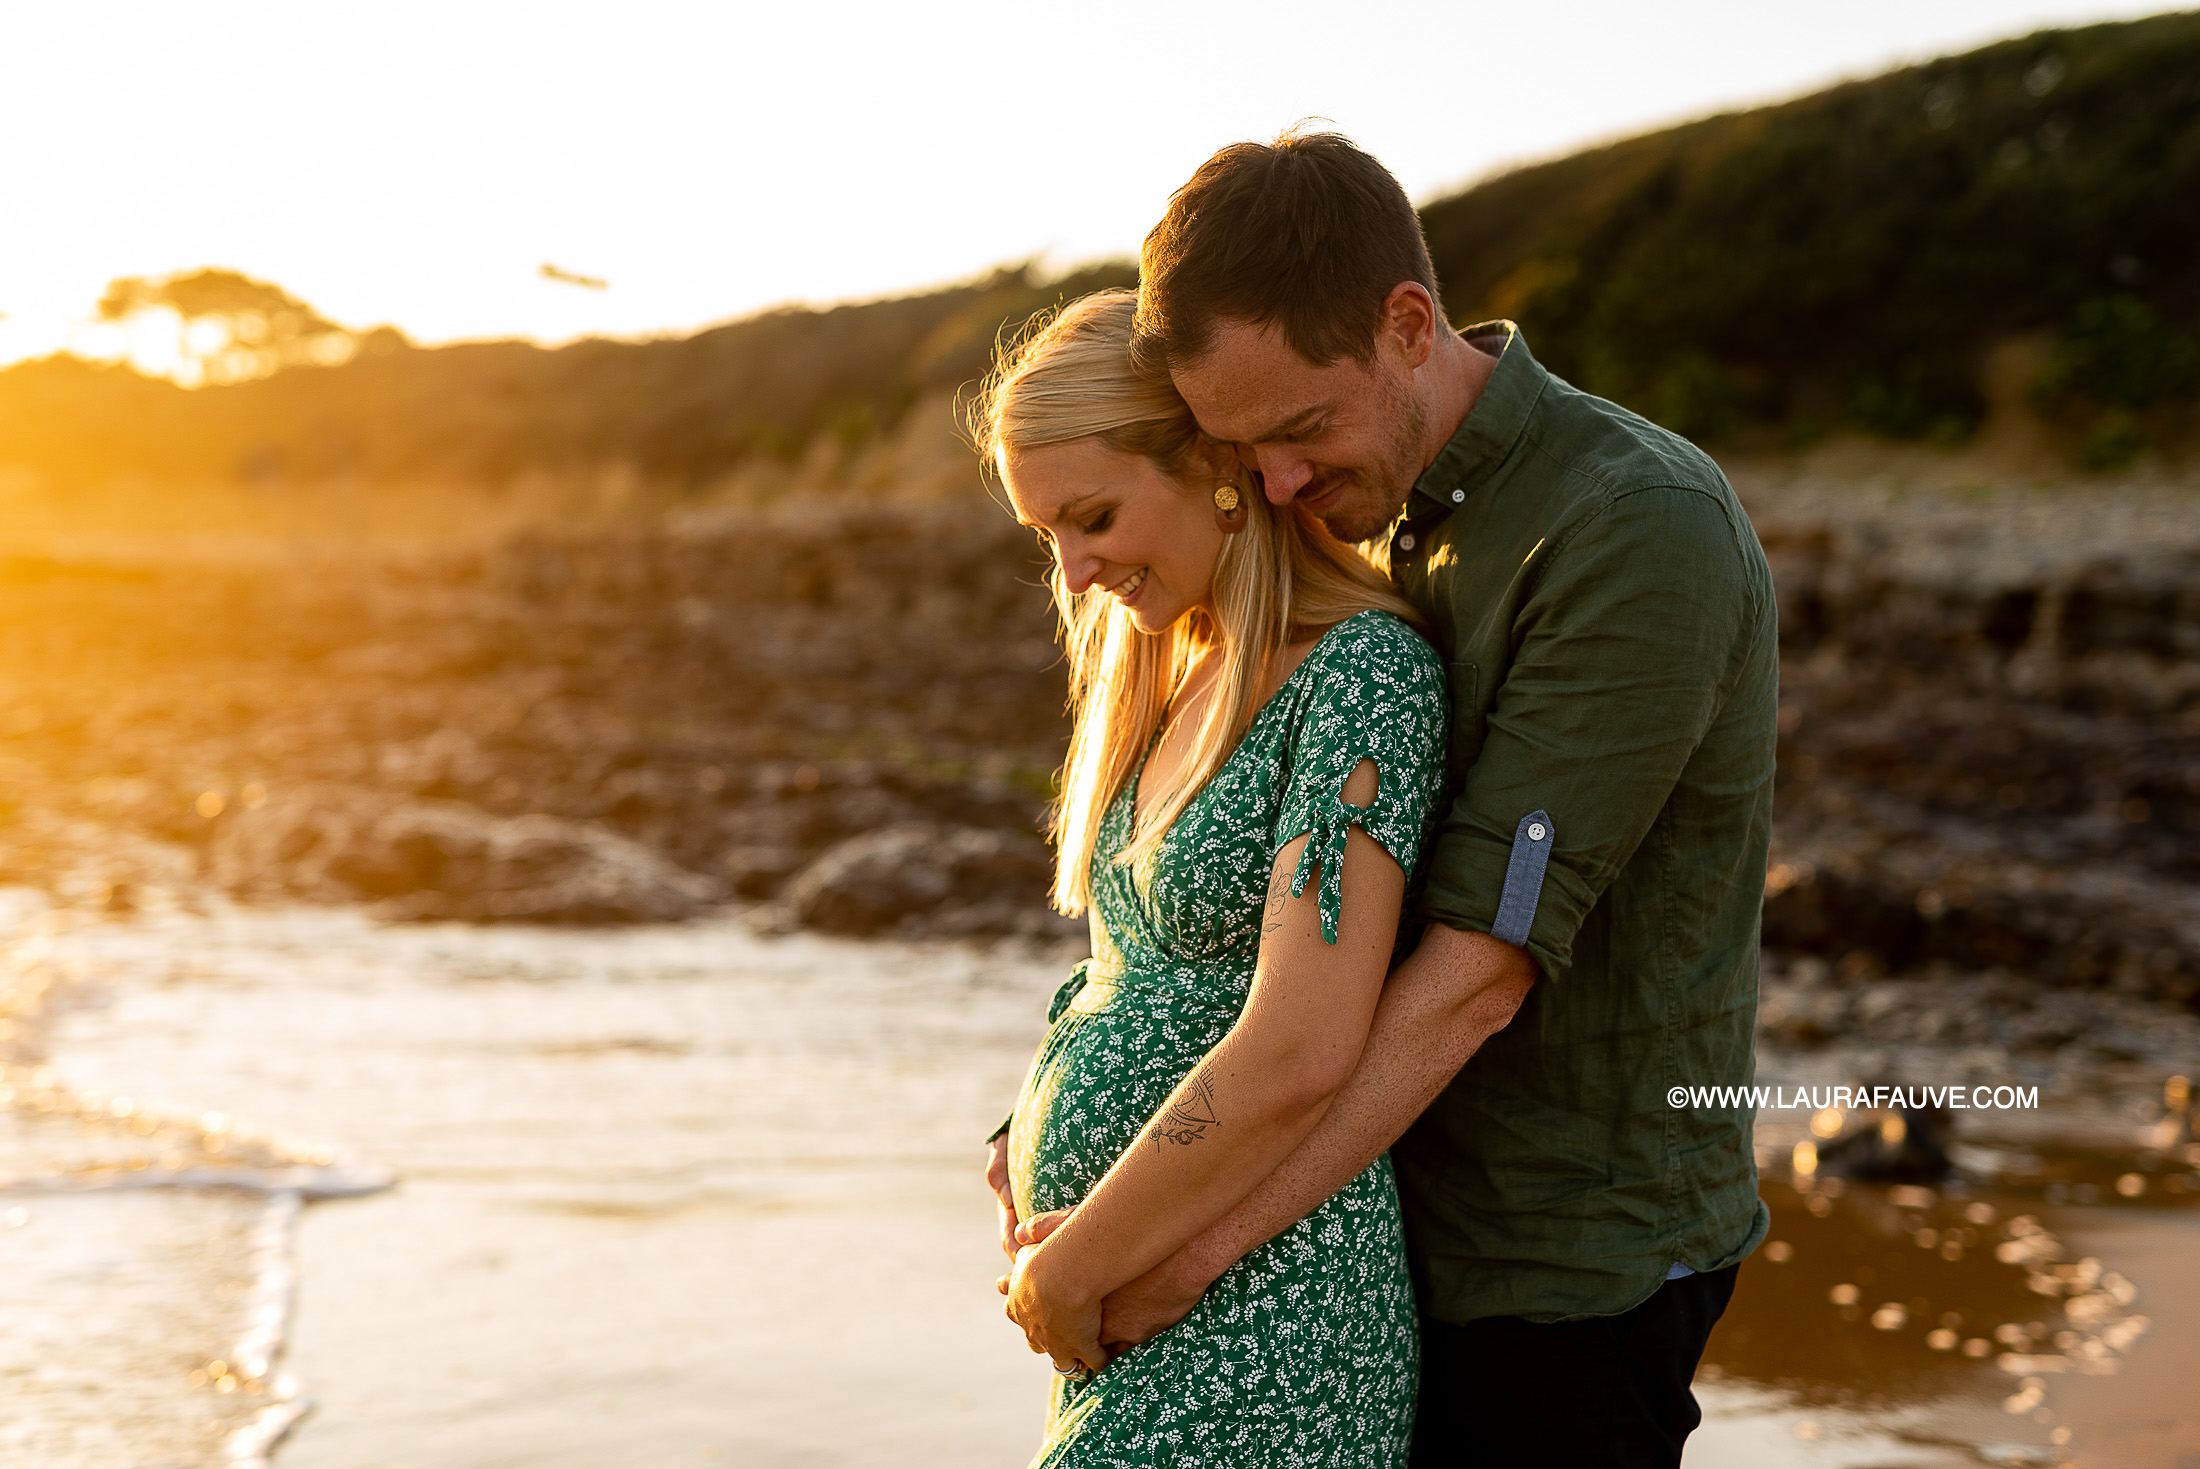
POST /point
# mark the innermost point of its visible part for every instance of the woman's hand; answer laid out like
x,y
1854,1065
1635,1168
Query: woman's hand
x,y
1135,1313
1140,1311
1028,1232
1062,1323
996,1177
1035,1229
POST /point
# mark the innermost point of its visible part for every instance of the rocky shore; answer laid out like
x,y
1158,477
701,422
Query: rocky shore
x,y
624,725
846,718
1990,732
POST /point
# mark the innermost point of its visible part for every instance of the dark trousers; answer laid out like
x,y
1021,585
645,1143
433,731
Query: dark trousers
x,y
1610,1392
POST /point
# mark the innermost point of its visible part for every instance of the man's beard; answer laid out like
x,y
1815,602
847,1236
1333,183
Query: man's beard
x,y
1369,498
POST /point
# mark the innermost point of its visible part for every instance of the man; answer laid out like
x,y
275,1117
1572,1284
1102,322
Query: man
x,y
1593,890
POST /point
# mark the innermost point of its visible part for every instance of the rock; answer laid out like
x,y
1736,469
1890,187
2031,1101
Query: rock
x,y
1987,761
920,877
1906,1146
758,871
448,860
1903,888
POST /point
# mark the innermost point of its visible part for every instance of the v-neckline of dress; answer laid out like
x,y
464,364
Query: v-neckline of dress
x,y
1138,771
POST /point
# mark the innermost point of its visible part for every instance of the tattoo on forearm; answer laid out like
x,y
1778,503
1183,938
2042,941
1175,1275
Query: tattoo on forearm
x,y
1279,893
1189,1115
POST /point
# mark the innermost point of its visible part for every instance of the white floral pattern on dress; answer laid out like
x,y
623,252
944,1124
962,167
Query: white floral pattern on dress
x,y
1304,1354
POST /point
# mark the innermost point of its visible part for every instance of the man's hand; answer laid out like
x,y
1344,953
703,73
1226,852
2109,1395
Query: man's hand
x,y
996,1177
1142,1310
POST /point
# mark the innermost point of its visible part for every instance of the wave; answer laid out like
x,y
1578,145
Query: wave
x,y
61,1144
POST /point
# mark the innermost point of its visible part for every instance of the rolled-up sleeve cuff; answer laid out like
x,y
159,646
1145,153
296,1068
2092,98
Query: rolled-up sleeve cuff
x,y
1518,891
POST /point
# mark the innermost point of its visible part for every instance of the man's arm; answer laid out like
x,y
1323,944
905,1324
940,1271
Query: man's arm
x,y
1455,991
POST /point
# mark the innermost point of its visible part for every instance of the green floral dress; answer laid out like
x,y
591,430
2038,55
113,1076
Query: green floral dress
x,y
1304,1353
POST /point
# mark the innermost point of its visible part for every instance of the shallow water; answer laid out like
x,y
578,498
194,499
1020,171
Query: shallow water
x,y
675,1196
691,1196
116,1305
1889,1325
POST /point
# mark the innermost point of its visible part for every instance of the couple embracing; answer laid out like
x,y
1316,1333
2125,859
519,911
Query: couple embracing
x,y
1415,879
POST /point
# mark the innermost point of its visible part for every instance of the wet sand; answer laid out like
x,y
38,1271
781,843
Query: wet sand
x,y
1855,1341
689,1195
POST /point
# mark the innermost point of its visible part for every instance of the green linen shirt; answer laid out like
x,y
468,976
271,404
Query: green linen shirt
x,y
1610,630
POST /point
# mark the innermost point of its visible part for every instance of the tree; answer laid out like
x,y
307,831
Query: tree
x,y
228,326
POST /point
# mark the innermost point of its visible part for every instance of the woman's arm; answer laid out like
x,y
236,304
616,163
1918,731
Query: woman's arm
x,y
1243,1110
1453,993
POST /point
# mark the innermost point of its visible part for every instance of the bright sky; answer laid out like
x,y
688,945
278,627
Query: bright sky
x,y
416,163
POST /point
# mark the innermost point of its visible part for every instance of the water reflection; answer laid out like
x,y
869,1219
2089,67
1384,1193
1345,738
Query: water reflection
x,y
2037,1309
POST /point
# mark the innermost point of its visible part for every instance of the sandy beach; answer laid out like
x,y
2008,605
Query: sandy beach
x,y
699,1195
666,1195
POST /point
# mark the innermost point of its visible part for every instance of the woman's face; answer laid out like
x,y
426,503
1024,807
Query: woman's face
x,y
1115,521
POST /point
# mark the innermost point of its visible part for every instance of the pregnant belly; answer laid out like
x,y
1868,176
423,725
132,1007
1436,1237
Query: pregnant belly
x,y
1097,1078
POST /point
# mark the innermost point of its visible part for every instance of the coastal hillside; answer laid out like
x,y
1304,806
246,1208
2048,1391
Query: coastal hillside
x,y
1854,257
1866,258
684,411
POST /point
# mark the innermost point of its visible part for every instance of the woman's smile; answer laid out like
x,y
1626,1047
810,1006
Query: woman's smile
x,y
1118,523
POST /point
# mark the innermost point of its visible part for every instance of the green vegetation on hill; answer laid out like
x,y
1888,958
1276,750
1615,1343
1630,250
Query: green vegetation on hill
x,y
1849,257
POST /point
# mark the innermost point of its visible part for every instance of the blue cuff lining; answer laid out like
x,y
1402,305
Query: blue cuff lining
x,y
1531,854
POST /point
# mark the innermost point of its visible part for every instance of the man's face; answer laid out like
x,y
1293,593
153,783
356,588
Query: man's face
x,y
1345,440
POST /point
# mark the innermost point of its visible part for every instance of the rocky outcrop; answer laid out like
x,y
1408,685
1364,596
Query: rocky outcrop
x,y
922,878
1989,749
602,726
1856,874
445,860
1807,1003
1990,733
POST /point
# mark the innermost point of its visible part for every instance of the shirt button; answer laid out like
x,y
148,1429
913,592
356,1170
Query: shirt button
x,y
1457,496
1537,831
1405,542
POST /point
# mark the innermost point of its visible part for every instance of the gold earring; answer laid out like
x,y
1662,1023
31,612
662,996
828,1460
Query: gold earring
x,y
1226,499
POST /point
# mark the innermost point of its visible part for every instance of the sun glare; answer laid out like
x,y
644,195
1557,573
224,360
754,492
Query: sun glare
x,y
680,165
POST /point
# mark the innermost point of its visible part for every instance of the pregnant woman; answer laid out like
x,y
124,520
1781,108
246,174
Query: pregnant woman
x,y
1257,744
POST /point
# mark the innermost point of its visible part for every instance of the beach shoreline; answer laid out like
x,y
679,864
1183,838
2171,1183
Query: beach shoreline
x,y
684,1195
697,1194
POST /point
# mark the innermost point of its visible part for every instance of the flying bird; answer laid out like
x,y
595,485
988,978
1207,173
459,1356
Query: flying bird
x,y
574,278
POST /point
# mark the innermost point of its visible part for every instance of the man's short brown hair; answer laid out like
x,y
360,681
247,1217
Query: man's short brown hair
x,y
1308,233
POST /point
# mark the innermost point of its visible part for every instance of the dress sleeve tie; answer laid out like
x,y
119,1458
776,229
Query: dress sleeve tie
x,y
1068,991
1329,823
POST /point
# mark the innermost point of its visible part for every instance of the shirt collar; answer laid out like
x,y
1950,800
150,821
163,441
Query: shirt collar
x,y
1492,427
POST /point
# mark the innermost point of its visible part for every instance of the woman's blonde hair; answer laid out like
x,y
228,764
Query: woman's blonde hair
x,y
1070,376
